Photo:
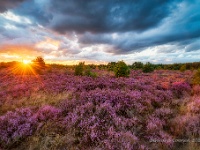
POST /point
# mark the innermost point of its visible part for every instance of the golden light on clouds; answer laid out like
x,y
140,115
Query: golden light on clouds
x,y
49,44
18,52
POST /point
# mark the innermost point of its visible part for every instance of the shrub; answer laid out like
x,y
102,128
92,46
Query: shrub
x,y
148,67
38,64
121,69
196,78
79,69
179,88
15,126
89,73
137,65
111,66
196,89
183,68
47,113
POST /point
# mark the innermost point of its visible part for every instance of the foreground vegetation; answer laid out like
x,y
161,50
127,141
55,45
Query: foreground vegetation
x,y
57,108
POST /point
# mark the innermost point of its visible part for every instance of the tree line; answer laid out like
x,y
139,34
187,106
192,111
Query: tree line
x,y
120,68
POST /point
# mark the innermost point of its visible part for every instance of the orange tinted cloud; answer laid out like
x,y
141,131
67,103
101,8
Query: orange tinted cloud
x,y
49,44
18,52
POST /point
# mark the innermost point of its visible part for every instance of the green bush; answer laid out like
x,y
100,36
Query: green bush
x,y
137,65
111,66
183,68
89,73
79,69
196,78
121,69
148,67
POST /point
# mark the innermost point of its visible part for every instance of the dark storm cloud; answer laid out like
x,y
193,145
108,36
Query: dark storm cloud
x,y
125,26
99,16
9,4
181,28
36,11
193,46
89,38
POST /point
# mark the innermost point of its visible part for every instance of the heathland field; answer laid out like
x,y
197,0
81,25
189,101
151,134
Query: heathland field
x,y
55,109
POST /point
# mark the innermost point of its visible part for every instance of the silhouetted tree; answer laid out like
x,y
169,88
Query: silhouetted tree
x,y
39,62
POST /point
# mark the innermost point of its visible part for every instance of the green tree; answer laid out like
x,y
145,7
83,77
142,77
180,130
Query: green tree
x,y
111,66
121,69
137,65
148,67
79,69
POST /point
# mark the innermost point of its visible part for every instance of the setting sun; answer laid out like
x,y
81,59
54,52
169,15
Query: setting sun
x,y
26,62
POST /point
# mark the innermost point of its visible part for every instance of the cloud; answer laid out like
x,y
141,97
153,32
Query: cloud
x,y
127,26
19,51
193,46
9,4
179,28
102,30
97,16
108,16
36,10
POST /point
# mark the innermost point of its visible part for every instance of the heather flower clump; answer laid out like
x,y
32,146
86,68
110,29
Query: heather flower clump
x,y
59,110
16,125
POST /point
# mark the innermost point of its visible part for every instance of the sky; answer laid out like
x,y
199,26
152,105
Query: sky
x,y
100,31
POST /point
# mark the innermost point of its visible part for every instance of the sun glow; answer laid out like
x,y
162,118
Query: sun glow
x,y
26,62
23,68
